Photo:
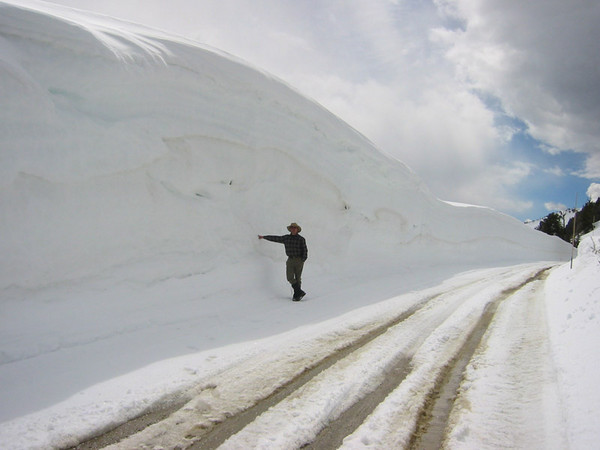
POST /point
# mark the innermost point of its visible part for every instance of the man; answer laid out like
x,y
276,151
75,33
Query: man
x,y
297,252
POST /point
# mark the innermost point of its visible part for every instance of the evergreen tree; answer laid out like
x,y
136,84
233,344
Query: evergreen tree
x,y
587,216
569,231
552,224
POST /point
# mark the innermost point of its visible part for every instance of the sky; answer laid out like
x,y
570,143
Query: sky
x,y
493,103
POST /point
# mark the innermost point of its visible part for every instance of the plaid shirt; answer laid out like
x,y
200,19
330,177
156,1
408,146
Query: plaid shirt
x,y
295,246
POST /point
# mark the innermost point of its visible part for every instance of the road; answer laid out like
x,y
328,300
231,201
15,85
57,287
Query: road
x,y
415,379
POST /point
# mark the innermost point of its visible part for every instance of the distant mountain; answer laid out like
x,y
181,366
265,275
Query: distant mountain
x,y
120,144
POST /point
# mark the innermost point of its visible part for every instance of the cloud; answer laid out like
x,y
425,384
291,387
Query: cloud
x,y
593,191
551,206
540,58
556,171
592,167
495,187
446,135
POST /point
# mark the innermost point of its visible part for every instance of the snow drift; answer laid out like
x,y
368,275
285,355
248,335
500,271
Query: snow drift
x,y
120,144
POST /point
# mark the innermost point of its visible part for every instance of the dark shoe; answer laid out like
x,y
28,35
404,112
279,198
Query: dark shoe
x,y
298,292
296,288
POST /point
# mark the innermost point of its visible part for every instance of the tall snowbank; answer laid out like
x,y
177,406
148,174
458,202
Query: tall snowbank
x,y
119,144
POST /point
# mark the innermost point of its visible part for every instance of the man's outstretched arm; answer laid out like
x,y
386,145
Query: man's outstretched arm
x,y
272,238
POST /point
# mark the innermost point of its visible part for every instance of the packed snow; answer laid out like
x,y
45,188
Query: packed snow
x,y
137,171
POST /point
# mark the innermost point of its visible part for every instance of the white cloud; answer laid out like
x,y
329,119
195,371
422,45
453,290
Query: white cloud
x,y
556,171
494,187
552,206
593,191
540,58
592,167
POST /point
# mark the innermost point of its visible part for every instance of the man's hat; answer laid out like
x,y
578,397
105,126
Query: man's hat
x,y
294,225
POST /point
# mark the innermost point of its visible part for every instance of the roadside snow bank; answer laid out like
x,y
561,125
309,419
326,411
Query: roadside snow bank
x,y
573,305
122,144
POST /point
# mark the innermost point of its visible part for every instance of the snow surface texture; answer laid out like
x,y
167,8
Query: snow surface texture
x,y
137,170
574,317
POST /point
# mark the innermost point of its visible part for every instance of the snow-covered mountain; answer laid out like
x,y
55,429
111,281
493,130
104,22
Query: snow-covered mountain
x,y
137,170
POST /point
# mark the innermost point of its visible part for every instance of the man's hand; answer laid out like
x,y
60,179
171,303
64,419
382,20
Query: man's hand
x,y
260,237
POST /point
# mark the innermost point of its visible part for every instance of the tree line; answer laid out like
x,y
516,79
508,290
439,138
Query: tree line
x,y
554,223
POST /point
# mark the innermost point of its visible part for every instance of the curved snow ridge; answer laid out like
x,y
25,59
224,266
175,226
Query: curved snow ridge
x,y
118,37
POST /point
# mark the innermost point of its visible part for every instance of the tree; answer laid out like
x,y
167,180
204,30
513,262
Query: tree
x,y
587,216
552,224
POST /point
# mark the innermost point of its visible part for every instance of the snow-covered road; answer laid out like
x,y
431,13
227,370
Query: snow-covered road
x,y
416,374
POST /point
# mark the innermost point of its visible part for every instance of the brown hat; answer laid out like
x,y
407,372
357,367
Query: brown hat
x,y
294,225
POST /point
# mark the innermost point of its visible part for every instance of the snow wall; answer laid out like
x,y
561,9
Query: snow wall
x,y
119,144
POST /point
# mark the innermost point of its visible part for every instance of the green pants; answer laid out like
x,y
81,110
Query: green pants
x,y
293,270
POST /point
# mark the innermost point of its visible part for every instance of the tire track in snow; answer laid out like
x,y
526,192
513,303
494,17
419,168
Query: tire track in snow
x,y
408,331
433,420
220,434
296,421
417,413
509,396
211,435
